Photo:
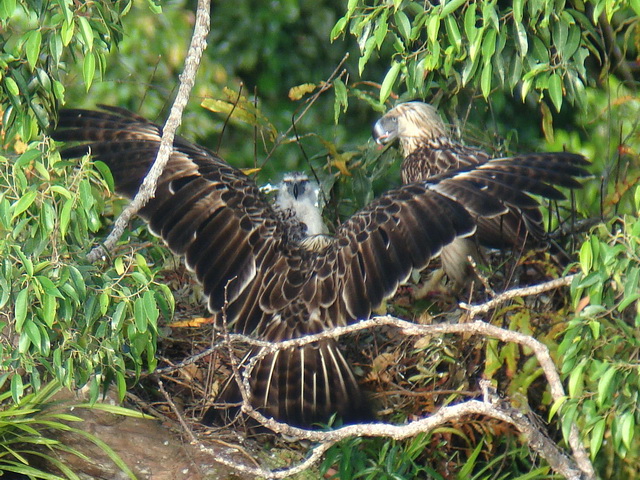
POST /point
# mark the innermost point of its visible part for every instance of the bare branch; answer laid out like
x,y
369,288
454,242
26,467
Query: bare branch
x,y
475,310
326,85
187,79
408,328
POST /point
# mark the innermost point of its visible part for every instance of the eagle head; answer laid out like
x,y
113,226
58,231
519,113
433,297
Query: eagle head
x,y
408,122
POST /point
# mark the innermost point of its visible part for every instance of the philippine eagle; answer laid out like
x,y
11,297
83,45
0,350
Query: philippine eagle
x,y
276,274
429,153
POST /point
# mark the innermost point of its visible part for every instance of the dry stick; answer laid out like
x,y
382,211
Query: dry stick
x,y
187,80
183,423
539,442
309,103
409,328
518,292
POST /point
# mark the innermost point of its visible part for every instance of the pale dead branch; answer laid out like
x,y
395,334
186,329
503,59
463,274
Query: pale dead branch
x,y
187,80
577,467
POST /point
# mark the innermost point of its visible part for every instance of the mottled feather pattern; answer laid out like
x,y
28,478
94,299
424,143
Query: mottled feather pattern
x,y
270,282
464,173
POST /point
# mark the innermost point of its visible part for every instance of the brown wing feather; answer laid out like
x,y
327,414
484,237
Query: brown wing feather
x,y
270,286
460,171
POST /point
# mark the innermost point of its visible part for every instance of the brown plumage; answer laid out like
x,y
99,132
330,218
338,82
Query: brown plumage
x,y
429,152
275,287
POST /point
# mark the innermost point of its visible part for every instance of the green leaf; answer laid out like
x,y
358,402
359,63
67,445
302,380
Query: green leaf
x,y
517,10
573,42
627,427
557,404
604,386
48,286
576,380
404,25
338,28
485,80
453,32
489,45
88,69
33,332
389,80
118,316
7,9
12,86
151,308
25,202
341,101
49,309
86,32
521,37
597,435
568,419
20,308
450,7
17,388
382,27
32,47
65,216
586,257
66,32
470,22
140,315
555,90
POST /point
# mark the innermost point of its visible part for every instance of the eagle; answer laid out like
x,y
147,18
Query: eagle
x,y
270,270
429,152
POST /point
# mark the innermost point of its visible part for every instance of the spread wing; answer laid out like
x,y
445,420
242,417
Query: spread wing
x,y
270,286
231,238
267,284
431,155
435,156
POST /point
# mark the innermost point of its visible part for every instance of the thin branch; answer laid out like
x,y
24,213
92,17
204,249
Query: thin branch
x,y
326,85
183,423
187,80
408,328
475,310
502,411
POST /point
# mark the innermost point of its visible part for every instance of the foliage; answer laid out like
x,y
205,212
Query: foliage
x,y
41,36
95,324
601,345
63,318
22,427
538,45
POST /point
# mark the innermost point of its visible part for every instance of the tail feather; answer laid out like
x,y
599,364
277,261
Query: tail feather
x,y
304,385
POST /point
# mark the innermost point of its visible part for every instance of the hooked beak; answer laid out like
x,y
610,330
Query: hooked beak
x,y
382,134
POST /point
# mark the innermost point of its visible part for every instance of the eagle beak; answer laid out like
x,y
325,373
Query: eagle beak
x,y
381,134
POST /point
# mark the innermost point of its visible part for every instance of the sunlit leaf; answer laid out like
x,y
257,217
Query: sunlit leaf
x,y
555,90
389,81
299,91
88,69
20,308
32,47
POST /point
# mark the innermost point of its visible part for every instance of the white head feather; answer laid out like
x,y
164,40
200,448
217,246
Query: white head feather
x,y
300,196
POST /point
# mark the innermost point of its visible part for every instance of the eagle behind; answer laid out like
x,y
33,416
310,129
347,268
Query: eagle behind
x,y
429,153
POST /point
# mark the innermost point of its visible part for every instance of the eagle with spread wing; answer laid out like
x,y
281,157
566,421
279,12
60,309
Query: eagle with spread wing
x,y
273,273
429,152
